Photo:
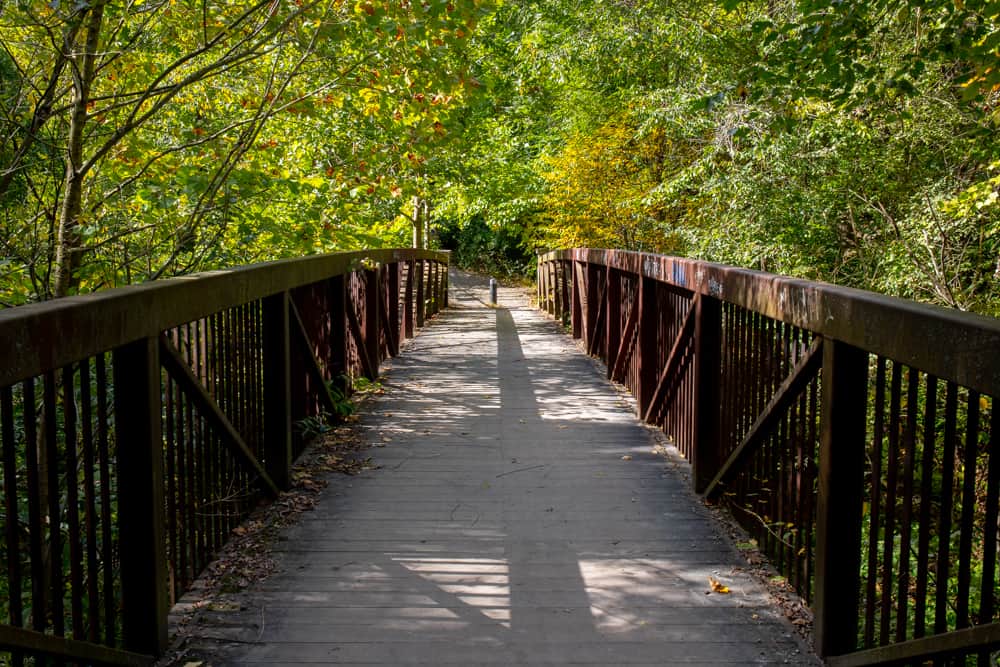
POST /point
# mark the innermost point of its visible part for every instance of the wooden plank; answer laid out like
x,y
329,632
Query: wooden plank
x,y
141,529
277,390
957,642
789,391
44,336
673,360
46,646
182,374
843,418
916,334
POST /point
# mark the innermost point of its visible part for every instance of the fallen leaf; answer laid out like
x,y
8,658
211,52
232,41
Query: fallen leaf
x,y
627,457
717,586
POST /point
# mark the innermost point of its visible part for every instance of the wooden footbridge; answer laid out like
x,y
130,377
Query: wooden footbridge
x,y
520,514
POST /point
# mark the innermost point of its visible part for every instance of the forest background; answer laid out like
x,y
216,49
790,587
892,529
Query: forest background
x,y
853,142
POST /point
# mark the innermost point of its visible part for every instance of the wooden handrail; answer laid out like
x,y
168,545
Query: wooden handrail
x,y
210,377
789,415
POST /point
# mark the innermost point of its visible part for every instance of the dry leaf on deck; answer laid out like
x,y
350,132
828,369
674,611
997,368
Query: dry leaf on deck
x,y
717,586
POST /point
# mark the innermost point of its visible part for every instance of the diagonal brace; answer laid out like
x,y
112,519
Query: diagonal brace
x,y
182,374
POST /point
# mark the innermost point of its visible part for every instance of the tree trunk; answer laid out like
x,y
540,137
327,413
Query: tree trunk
x,y
69,241
418,226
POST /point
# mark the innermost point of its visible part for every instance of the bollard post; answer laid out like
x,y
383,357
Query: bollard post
x,y
493,292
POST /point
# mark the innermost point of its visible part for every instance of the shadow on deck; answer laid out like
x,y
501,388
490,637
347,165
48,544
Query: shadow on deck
x,y
521,514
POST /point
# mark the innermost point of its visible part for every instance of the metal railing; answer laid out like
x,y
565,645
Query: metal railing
x,y
854,435
140,425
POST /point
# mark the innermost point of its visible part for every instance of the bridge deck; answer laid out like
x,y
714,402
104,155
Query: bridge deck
x,y
507,525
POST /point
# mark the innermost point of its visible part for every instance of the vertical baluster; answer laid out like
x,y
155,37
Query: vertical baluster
x,y
946,496
72,502
49,420
171,473
393,294
11,514
421,305
875,497
905,527
968,511
108,596
90,503
892,474
988,580
926,502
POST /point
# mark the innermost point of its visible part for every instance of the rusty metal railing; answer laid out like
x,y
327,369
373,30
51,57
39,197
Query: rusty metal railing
x,y
140,425
854,435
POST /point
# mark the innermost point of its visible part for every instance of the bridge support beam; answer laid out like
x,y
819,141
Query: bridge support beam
x,y
277,391
142,536
708,398
839,502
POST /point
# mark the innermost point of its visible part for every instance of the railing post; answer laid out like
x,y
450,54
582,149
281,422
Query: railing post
x,y
142,537
839,503
648,367
408,299
557,304
707,456
421,306
434,288
593,304
338,333
564,292
444,289
577,300
551,306
372,295
613,334
277,390
392,293
538,282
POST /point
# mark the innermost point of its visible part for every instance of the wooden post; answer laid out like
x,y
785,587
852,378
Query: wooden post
x,y
277,391
339,334
421,306
408,299
557,305
564,293
648,319
839,504
142,537
538,282
444,289
372,328
593,304
433,292
393,296
550,289
577,302
614,317
707,456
